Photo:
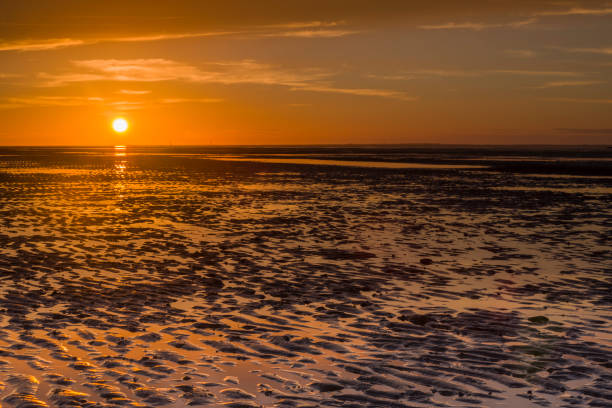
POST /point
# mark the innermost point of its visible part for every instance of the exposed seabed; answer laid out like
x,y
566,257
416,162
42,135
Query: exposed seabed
x,y
174,280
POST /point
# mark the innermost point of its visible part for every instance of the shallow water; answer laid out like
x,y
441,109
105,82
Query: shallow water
x,y
160,278
354,163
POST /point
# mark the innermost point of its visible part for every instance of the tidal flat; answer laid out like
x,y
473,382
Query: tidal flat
x,y
237,278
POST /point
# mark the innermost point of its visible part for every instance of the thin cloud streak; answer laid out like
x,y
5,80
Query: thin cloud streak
x,y
533,18
133,92
308,24
557,84
313,33
535,72
576,11
189,100
603,50
478,26
314,29
40,45
57,43
49,101
228,73
445,73
357,91
165,37
84,101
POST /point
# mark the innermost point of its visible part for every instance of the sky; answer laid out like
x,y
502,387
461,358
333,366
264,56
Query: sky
x,y
272,72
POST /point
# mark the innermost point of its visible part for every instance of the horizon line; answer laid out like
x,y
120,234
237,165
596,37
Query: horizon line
x,y
326,145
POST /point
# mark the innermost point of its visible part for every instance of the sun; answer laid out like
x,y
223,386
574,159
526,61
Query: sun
x,y
120,125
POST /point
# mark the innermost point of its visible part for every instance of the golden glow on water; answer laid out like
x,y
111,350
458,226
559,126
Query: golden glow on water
x,y
120,151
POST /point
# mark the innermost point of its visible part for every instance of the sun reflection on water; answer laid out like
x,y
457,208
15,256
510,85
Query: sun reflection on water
x,y
120,150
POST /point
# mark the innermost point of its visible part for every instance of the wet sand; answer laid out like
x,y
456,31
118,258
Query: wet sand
x,y
152,278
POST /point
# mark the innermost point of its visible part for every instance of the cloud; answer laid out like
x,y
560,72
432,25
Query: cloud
x,y
576,11
478,26
444,73
40,45
56,43
449,73
7,76
308,24
385,93
308,29
82,101
49,101
535,72
408,75
312,29
556,84
228,73
165,37
133,92
532,18
312,33
602,50
189,100
140,70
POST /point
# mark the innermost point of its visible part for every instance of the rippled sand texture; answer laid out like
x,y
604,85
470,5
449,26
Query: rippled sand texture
x,y
173,281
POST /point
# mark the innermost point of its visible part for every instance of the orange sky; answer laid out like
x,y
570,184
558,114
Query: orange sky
x,y
305,72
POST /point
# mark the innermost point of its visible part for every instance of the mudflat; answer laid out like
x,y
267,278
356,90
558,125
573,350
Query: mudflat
x,y
250,277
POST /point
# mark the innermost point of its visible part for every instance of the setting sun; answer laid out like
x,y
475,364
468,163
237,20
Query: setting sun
x,y
120,125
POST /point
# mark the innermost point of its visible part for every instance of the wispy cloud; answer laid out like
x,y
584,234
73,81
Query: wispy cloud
x,y
477,26
557,84
444,73
134,92
158,69
165,37
84,101
601,50
527,72
308,29
57,43
356,91
529,20
40,45
227,72
408,75
49,101
311,29
576,11
307,24
189,100
311,33
450,73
